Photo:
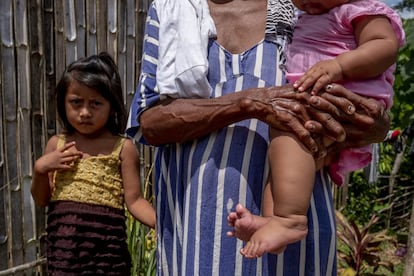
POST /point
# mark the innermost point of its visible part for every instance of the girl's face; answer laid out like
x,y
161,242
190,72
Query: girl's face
x,y
87,111
317,6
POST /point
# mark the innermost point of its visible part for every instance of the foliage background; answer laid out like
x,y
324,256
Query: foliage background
x,y
390,198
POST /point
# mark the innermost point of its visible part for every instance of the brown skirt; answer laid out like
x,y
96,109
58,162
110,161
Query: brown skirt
x,y
86,239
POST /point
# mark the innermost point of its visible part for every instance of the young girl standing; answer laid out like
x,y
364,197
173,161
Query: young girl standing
x,y
88,172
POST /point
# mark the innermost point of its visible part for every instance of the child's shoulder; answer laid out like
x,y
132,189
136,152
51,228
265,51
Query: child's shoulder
x,y
55,139
126,142
352,10
54,142
368,6
128,147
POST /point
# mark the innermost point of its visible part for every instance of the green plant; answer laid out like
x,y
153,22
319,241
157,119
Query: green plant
x,y
142,239
142,246
359,248
362,200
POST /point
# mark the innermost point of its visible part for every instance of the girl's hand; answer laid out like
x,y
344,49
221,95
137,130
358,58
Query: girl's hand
x,y
59,159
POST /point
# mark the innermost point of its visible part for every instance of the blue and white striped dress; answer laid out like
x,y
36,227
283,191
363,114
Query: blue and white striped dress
x,y
198,183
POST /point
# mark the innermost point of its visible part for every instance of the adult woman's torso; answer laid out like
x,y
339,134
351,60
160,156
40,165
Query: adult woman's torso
x,y
199,182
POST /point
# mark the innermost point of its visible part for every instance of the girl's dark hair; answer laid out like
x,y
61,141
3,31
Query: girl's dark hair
x,y
98,72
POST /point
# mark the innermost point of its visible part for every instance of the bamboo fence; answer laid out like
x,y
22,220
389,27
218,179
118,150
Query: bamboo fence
x,y
39,38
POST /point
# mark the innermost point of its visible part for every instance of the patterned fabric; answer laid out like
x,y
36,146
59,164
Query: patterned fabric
x,y
86,239
279,20
95,180
198,183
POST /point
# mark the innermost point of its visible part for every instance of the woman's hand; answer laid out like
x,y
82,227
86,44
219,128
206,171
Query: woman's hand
x,y
282,108
364,120
286,109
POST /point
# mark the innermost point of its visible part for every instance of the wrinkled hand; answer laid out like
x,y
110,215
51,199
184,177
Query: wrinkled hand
x,y
281,108
320,75
364,120
59,159
286,109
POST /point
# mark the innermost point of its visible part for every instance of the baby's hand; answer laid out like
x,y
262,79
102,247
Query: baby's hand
x,y
320,75
59,159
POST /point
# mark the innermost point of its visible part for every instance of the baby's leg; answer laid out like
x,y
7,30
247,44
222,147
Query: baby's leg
x,y
292,175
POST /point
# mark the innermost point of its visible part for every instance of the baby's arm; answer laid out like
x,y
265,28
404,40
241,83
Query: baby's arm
x,y
53,159
377,50
137,205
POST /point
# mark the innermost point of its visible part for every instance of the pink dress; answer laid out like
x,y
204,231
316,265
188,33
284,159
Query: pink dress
x,y
320,37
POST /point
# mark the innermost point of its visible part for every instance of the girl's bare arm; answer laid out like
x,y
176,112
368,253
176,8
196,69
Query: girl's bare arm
x,y
137,205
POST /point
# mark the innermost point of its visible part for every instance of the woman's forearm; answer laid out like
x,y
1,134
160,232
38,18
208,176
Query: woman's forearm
x,y
179,120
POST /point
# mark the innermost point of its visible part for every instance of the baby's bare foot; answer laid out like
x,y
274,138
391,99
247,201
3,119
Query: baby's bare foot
x,y
274,236
244,223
